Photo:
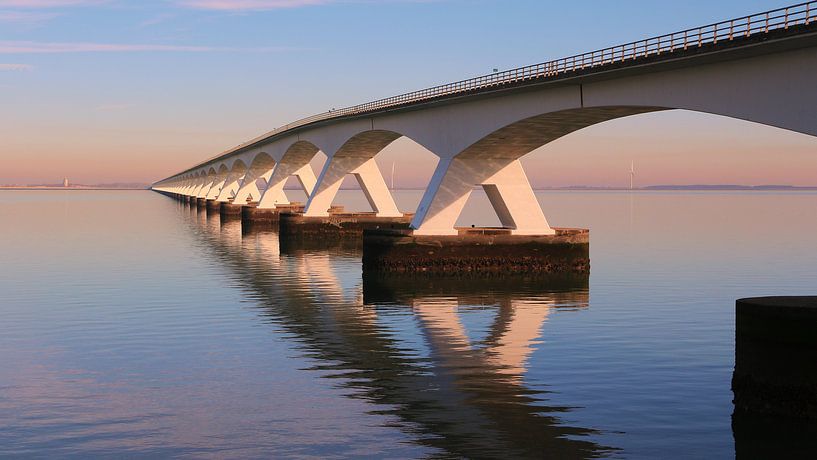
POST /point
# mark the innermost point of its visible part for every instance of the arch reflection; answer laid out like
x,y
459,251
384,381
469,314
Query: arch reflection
x,y
414,348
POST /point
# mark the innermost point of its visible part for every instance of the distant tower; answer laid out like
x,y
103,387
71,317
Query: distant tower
x,y
632,174
65,182
392,174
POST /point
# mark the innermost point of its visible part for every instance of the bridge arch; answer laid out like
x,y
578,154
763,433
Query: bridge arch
x,y
232,180
491,161
356,156
219,177
294,161
261,165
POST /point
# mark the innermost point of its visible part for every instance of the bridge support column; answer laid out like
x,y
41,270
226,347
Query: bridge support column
x,y
249,189
204,187
368,176
231,185
503,180
215,189
274,194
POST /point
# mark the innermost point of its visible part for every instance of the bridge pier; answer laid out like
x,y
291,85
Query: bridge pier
x,y
336,224
365,170
212,206
230,211
476,252
776,357
295,162
503,180
255,217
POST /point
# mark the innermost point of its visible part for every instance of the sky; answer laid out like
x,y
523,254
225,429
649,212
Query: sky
x,y
105,91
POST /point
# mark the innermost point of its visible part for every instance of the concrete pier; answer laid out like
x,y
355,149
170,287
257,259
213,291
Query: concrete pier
x,y
229,211
337,225
213,207
776,357
476,251
261,218
201,203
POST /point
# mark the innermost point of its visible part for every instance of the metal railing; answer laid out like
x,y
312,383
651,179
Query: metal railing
x,y
712,34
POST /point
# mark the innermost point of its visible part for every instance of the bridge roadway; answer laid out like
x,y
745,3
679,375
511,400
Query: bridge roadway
x,y
758,68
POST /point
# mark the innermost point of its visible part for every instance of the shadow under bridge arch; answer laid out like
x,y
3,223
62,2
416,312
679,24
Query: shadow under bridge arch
x,y
356,157
493,163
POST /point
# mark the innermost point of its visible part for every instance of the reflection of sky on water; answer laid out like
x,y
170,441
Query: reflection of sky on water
x,y
131,323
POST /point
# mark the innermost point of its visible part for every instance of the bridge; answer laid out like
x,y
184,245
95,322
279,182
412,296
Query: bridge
x,y
759,68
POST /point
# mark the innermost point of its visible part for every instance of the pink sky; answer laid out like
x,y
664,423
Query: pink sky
x,y
112,144
104,91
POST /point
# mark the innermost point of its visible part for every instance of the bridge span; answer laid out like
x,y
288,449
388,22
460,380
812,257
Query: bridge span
x,y
759,68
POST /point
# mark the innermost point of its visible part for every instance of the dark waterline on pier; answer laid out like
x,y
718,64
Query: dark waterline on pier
x,y
132,325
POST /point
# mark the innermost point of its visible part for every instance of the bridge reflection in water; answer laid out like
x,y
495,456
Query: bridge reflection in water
x,y
403,345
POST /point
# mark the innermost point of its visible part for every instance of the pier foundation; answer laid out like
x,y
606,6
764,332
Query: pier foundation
x,y
267,218
201,203
213,207
337,224
776,357
476,251
230,211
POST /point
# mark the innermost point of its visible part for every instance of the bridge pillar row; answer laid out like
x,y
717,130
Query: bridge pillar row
x,y
503,180
205,188
368,175
215,189
249,191
274,194
230,187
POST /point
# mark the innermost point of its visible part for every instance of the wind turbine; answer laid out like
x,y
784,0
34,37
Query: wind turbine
x,y
632,174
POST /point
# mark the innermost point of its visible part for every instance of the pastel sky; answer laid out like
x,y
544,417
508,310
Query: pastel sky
x,y
135,90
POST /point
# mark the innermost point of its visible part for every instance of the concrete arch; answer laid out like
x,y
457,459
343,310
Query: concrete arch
x,y
208,176
232,180
356,157
261,166
493,163
293,161
219,177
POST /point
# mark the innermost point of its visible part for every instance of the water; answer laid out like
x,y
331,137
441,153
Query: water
x,y
133,326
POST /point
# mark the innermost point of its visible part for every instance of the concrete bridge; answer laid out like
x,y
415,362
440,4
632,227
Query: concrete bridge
x,y
759,68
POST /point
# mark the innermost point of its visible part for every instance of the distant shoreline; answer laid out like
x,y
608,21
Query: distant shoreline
x,y
23,188
651,188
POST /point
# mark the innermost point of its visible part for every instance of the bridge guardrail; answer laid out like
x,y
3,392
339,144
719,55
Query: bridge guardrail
x,y
744,27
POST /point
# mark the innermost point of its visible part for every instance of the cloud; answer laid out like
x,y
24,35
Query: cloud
x,y
158,19
28,47
27,17
34,4
15,67
265,5
249,5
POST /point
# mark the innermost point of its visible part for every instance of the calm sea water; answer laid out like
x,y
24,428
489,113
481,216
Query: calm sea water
x,y
132,326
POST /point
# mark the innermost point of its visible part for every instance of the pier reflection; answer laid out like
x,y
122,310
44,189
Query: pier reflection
x,y
447,358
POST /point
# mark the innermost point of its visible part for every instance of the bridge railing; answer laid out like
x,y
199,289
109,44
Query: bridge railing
x,y
700,37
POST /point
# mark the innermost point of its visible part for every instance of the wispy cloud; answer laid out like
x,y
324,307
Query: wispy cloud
x,y
15,67
26,17
249,5
47,3
266,5
28,47
158,19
